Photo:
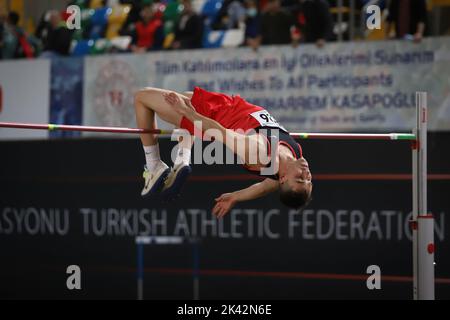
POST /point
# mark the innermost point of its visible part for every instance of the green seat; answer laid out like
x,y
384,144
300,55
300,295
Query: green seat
x,y
101,46
86,22
172,11
81,4
171,16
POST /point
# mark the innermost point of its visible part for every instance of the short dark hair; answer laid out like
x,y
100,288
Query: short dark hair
x,y
295,200
13,18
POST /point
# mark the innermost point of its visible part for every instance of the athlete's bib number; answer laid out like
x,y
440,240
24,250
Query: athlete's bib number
x,y
266,120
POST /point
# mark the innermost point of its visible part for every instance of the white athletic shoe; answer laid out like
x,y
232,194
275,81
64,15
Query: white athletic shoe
x,y
154,181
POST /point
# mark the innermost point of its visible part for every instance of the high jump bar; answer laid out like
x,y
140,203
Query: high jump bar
x,y
296,135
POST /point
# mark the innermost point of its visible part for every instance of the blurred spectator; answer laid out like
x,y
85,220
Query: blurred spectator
x,y
55,36
276,24
236,15
15,42
148,31
230,16
189,29
262,5
133,15
409,17
314,21
252,25
10,41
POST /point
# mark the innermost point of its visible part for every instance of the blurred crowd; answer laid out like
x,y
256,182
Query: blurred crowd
x,y
144,25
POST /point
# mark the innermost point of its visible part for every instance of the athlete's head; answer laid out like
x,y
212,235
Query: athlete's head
x,y
296,184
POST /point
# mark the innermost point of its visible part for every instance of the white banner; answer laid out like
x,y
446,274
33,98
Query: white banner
x,y
361,86
109,86
24,96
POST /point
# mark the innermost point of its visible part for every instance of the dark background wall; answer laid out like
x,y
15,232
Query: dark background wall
x,y
62,203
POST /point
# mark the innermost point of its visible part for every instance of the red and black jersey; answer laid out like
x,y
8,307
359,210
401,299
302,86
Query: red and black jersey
x,y
280,137
233,112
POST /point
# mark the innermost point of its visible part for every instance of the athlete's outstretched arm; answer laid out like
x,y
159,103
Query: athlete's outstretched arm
x,y
226,201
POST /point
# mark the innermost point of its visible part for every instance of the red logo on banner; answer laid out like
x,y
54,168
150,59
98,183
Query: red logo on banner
x,y
114,94
116,97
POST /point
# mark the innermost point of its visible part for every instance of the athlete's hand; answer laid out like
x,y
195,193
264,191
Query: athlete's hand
x,y
224,203
182,106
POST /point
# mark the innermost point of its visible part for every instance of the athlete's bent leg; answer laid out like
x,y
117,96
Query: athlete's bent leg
x,y
148,102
